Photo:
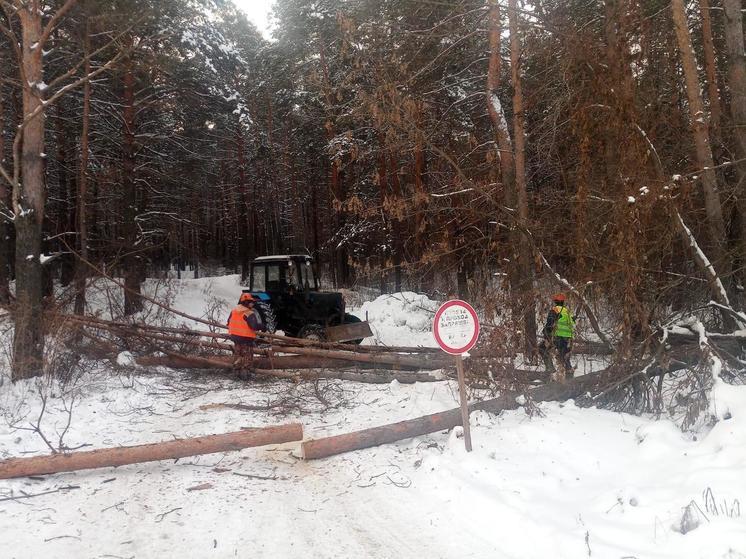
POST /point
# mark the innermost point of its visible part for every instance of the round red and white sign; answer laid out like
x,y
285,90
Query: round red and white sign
x,y
456,327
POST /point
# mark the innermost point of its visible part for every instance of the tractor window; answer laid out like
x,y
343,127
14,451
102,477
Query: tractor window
x,y
258,275
292,276
273,278
309,281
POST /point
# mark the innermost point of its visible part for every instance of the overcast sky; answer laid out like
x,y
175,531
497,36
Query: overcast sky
x,y
258,12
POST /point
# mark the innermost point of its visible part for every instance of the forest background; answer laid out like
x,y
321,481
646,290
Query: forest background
x,y
470,148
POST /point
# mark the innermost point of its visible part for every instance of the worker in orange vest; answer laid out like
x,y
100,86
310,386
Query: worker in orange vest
x,y
243,324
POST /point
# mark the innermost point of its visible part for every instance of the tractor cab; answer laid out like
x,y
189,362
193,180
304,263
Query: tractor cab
x,y
287,287
275,274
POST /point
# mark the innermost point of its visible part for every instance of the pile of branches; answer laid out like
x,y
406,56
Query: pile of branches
x,y
672,373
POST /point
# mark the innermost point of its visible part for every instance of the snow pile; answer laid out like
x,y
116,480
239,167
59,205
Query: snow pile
x,y
593,483
401,319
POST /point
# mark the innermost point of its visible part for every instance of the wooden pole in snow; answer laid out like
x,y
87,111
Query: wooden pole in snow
x,y
169,450
464,402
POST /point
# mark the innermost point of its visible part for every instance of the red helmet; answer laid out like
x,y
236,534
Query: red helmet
x,y
558,297
246,298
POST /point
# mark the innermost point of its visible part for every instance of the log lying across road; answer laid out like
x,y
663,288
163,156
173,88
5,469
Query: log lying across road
x,y
337,444
169,450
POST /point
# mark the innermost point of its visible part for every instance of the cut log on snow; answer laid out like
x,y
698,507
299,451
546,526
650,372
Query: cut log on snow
x,y
379,377
281,362
169,450
730,343
337,444
284,364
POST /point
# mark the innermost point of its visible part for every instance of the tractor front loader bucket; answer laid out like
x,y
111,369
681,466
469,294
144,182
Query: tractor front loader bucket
x,y
348,332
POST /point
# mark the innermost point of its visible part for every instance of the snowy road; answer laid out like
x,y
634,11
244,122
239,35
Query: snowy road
x,y
574,483
569,483
258,503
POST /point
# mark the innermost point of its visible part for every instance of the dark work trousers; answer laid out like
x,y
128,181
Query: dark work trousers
x,y
563,347
243,353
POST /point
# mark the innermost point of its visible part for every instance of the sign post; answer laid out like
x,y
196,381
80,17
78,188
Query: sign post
x,y
456,329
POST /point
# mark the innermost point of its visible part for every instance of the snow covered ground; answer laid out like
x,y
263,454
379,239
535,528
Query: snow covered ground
x,y
568,483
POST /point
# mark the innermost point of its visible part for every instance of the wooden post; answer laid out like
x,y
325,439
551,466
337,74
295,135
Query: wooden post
x,y
464,402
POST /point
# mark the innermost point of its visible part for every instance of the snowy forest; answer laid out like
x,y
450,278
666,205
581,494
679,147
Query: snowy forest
x,y
431,146
417,151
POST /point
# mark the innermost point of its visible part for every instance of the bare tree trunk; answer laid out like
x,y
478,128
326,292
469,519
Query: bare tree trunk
x,y
421,200
737,85
5,209
711,67
526,271
68,193
497,115
383,181
339,254
715,221
514,182
132,275
243,195
81,270
28,202
396,223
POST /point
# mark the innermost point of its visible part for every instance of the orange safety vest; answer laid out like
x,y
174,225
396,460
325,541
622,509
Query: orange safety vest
x,y
237,325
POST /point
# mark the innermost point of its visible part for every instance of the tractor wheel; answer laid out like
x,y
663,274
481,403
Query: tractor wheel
x,y
313,332
267,314
352,319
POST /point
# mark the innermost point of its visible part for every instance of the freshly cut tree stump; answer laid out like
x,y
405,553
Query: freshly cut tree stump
x,y
169,450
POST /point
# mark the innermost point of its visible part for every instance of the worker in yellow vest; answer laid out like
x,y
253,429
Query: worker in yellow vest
x,y
243,324
558,334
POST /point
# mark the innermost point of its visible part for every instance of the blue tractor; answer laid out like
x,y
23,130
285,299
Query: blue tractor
x,y
290,300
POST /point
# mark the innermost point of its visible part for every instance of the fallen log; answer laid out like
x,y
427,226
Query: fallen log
x,y
175,361
162,329
337,444
169,450
284,364
379,377
730,343
403,356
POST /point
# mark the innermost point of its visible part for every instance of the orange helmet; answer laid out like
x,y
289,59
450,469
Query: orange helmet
x,y
559,297
246,298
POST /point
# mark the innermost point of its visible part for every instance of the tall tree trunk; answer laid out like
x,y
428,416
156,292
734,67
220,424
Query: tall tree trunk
x,y
737,85
5,209
68,194
131,262
527,303
339,254
421,201
298,226
515,195
497,114
396,222
243,195
81,269
383,181
28,202
715,221
711,67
